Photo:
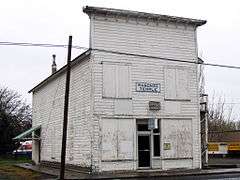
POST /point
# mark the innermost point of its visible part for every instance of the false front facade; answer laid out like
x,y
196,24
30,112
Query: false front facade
x,y
134,99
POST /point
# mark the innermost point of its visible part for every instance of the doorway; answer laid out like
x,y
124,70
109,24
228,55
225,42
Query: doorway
x,y
148,144
144,144
144,151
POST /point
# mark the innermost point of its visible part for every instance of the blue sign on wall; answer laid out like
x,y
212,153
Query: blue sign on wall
x,y
148,87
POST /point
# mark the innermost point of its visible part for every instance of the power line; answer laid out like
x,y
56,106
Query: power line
x,y
224,104
38,45
169,59
221,65
7,43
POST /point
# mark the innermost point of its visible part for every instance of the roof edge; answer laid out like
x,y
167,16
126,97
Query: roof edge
x,y
136,14
61,70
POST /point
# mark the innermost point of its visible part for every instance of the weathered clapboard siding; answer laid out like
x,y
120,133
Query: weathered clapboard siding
x,y
48,104
162,40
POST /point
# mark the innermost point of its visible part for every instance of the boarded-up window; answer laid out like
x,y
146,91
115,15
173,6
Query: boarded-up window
x,y
116,80
117,139
179,136
176,83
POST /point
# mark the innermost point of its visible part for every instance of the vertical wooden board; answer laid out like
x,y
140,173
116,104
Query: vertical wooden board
x,y
182,83
109,139
179,135
125,138
170,83
109,80
123,82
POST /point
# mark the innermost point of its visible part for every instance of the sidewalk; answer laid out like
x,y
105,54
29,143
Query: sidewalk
x,y
127,175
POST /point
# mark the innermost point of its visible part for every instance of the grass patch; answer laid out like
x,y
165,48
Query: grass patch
x,y
10,160
8,169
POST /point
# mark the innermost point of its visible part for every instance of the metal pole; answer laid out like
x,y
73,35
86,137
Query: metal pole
x,y
65,116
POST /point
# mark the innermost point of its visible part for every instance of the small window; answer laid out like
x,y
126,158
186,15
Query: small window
x,y
156,141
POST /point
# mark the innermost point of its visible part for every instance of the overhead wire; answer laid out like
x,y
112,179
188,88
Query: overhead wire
x,y
168,59
7,43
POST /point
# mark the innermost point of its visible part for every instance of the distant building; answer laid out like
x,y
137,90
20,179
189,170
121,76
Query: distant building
x,y
223,143
134,97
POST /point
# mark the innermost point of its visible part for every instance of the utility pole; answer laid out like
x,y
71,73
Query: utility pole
x,y
204,127
65,116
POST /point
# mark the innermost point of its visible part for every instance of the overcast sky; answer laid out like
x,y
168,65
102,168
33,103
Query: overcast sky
x,y
52,21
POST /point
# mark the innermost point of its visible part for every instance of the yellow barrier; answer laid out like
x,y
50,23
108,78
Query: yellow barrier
x,y
234,146
213,147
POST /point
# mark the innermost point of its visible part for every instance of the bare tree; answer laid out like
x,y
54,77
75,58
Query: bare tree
x,y
15,117
221,115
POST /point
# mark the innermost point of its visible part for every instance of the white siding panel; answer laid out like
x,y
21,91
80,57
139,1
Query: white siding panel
x,y
172,107
115,166
123,106
181,163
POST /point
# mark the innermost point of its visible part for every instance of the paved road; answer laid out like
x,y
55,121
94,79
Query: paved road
x,y
202,177
224,161
14,177
219,177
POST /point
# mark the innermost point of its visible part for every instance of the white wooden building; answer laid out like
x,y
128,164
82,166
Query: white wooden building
x,y
134,98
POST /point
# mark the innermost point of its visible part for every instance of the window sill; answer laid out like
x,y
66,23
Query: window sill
x,y
115,98
182,100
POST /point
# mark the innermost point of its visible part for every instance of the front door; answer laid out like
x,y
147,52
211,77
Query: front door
x,y
144,151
